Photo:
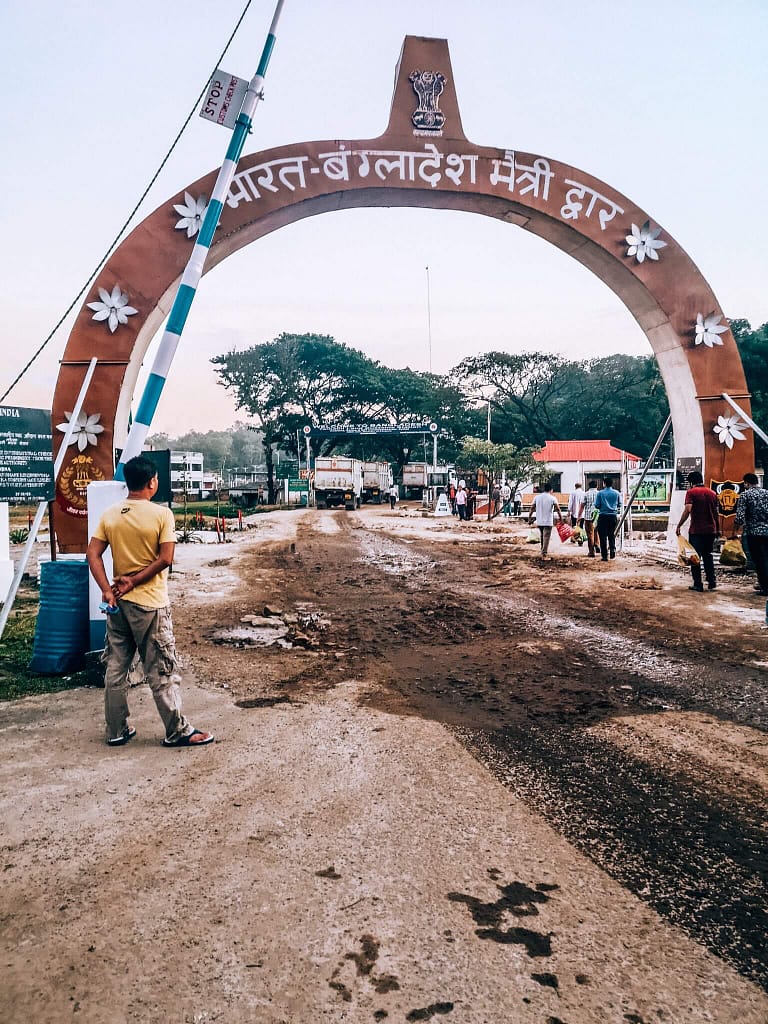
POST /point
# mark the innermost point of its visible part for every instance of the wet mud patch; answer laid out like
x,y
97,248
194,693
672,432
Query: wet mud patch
x,y
263,702
427,1012
364,961
329,872
699,863
518,900
547,980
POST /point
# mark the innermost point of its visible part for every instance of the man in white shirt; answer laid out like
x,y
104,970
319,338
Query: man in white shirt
x,y
461,501
506,498
576,505
544,508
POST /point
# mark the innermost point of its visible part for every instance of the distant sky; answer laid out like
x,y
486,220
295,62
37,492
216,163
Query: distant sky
x,y
665,101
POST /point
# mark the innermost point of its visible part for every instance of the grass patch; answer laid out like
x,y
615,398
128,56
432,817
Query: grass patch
x,y
16,653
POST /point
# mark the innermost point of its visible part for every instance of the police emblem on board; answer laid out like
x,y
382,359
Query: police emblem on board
x,y
428,118
727,492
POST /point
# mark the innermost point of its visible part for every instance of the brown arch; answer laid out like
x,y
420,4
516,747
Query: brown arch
x,y
407,166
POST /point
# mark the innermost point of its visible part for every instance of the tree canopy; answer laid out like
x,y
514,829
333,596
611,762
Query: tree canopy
x,y
299,379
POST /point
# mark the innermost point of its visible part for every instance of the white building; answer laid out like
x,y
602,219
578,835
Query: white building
x,y
571,462
188,474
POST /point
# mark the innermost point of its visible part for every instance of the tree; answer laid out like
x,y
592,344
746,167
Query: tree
x,y
298,379
753,348
495,459
538,397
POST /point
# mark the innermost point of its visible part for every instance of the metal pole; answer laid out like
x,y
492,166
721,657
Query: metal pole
x,y
748,420
194,268
429,321
489,420
43,505
648,465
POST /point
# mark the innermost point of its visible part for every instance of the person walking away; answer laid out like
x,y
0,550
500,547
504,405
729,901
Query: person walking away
x,y
142,539
461,501
506,498
471,499
608,504
576,505
589,524
496,495
752,523
517,502
701,509
543,509
393,496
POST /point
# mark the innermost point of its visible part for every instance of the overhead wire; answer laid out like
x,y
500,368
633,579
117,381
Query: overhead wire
x,y
135,209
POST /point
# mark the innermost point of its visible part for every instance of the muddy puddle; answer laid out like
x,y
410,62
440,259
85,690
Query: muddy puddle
x,y
395,559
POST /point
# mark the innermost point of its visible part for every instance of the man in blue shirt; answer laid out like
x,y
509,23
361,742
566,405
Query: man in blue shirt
x,y
608,504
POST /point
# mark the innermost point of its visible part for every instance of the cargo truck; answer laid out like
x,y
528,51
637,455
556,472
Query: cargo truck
x,y
377,480
338,482
419,476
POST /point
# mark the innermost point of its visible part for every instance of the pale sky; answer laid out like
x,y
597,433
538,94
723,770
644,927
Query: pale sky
x,y
664,101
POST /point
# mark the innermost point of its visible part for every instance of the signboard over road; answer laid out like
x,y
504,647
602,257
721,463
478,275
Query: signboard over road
x,y
26,455
404,427
224,99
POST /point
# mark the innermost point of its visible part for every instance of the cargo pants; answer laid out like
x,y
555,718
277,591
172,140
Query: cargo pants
x,y
150,632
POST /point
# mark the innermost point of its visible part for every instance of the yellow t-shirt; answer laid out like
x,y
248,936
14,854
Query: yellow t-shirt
x,y
134,530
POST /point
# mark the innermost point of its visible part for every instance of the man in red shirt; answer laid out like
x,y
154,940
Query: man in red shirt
x,y
701,508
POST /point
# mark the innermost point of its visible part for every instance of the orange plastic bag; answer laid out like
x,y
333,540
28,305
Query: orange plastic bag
x,y
686,552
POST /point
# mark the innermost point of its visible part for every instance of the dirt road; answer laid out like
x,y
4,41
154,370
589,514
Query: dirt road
x,y
451,783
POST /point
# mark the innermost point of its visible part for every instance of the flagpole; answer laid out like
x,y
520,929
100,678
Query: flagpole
x,y
194,268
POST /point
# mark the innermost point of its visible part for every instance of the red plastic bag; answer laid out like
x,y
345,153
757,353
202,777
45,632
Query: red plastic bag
x,y
564,531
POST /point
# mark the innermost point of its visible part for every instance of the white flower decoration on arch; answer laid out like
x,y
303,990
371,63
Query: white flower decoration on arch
x,y
730,429
708,329
644,242
87,429
113,308
192,213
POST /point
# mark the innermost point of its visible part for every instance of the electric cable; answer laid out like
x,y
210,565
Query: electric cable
x,y
133,212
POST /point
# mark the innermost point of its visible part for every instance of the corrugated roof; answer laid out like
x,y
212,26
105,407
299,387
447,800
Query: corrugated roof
x,y
581,451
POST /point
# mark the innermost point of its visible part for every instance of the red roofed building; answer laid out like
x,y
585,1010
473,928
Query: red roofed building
x,y
598,452
572,462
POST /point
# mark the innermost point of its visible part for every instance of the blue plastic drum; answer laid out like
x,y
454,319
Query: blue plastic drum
x,y
61,631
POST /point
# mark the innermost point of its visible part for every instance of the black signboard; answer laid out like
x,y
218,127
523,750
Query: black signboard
x,y
162,459
26,455
404,427
682,468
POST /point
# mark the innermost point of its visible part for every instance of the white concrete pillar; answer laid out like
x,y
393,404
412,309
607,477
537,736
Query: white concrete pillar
x,y
6,565
101,494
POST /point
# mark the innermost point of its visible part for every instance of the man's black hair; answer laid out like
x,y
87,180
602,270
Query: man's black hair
x,y
750,478
548,485
695,478
138,472
608,481
593,483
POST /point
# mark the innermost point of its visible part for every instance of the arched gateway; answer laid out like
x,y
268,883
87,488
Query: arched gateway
x,y
423,160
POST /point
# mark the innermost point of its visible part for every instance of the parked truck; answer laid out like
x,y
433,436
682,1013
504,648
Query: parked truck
x,y
338,481
419,476
377,480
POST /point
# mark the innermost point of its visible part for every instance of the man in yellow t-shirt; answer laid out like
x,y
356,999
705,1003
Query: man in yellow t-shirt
x,y
142,538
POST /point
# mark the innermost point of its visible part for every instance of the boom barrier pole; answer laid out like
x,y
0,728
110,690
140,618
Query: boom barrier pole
x,y
194,268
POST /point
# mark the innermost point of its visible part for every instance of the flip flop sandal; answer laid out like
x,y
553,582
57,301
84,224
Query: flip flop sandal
x,y
189,740
120,741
